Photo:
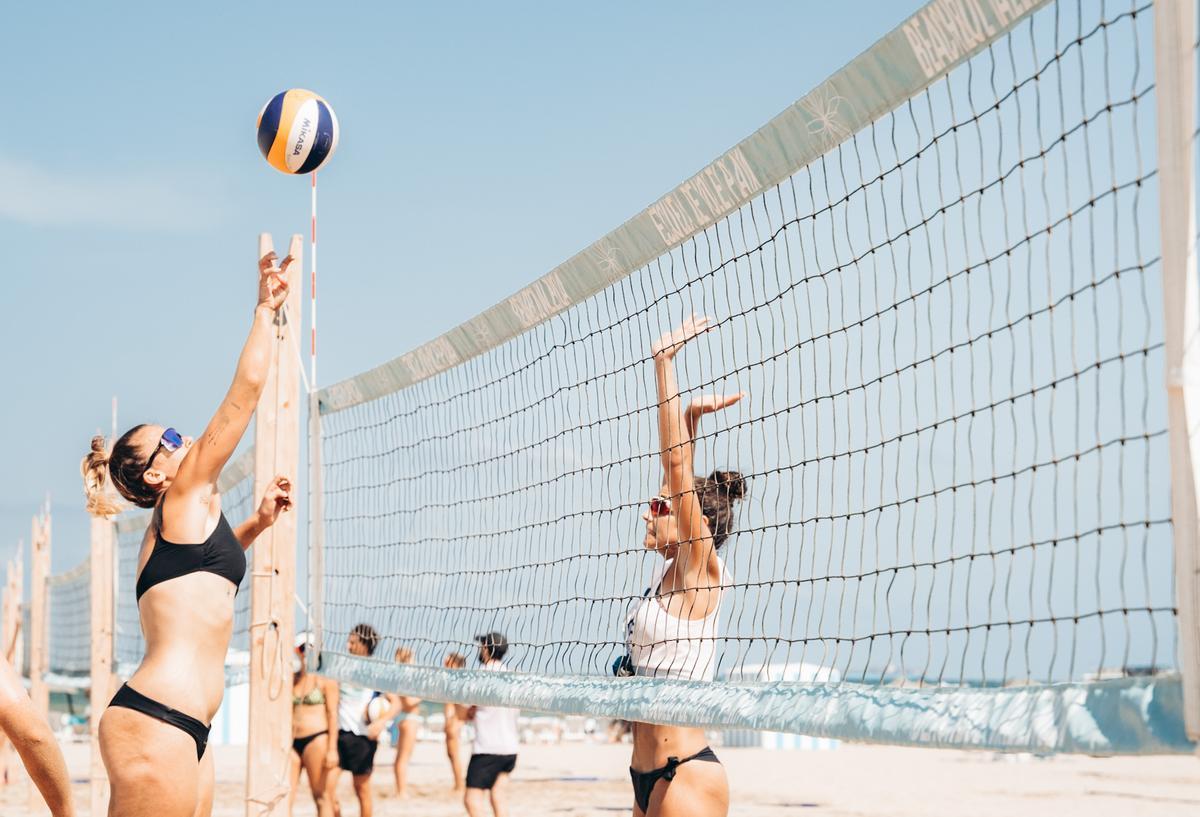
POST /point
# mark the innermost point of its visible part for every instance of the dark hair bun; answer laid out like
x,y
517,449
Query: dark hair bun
x,y
730,483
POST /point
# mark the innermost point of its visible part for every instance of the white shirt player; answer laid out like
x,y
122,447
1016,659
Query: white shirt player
x,y
352,708
496,726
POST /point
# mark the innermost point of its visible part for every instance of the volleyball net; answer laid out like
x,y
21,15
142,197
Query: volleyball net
x,y
938,280
237,503
69,625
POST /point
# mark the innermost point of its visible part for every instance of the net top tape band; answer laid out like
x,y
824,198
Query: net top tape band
x,y
938,37
76,573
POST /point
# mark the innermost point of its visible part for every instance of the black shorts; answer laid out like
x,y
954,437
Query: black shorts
x,y
356,753
483,770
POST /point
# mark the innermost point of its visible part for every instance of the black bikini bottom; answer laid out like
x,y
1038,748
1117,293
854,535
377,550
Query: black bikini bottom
x,y
129,698
300,744
643,782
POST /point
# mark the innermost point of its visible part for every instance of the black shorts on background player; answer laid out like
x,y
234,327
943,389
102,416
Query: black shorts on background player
x,y
356,753
483,770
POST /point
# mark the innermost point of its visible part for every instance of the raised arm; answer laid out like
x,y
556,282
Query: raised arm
x,y
202,466
697,556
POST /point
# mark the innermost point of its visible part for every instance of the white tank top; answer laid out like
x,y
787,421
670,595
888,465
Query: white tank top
x,y
352,708
496,731
663,646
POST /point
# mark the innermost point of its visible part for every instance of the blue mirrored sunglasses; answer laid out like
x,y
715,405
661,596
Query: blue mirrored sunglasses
x,y
170,441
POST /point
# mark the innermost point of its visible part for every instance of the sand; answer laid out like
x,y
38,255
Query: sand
x,y
590,780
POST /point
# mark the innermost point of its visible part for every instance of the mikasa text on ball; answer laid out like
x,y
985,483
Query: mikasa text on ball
x,y
297,131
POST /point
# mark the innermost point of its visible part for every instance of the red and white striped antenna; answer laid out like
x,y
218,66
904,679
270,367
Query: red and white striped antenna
x,y
312,289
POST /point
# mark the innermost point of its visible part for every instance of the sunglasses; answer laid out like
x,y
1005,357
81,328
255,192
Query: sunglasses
x,y
660,506
170,441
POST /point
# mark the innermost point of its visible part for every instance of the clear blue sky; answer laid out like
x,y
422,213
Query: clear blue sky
x,y
481,145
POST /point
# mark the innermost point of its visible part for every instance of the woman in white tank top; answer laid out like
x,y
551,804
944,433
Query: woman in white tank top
x,y
671,632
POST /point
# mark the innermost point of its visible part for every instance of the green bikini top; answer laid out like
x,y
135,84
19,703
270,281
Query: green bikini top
x,y
315,697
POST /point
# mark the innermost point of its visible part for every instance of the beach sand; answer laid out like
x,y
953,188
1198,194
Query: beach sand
x,y
590,780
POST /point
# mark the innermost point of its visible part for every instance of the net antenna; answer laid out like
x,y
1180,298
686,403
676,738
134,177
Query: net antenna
x,y
314,611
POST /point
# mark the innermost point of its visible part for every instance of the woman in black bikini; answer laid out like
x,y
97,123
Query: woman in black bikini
x,y
314,719
154,733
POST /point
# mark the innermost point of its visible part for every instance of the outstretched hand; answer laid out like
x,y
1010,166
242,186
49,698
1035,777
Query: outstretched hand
x,y
273,281
276,500
665,347
709,403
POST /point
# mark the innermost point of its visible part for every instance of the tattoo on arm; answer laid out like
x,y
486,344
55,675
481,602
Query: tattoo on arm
x,y
215,434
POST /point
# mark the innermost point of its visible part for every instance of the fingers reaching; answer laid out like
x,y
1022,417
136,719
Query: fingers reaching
x,y
727,400
697,324
273,283
715,402
279,493
673,341
283,487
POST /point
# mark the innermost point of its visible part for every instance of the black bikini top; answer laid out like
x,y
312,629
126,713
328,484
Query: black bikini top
x,y
220,553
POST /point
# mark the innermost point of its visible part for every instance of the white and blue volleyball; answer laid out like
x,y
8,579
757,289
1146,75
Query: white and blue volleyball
x,y
377,707
297,131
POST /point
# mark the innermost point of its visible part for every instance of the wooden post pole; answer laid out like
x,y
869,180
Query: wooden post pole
x,y
11,613
101,654
273,581
1175,92
19,612
38,633
10,627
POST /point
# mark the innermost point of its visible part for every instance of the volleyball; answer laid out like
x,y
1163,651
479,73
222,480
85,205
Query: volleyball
x,y
297,131
377,708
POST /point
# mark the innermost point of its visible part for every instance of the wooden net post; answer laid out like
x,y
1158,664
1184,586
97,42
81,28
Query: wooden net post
x,y
19,606
10,628
101,654
10,615
1175,92
38,632
273,580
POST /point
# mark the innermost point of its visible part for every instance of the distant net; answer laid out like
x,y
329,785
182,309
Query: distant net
x,y
949,328
237,503
69,626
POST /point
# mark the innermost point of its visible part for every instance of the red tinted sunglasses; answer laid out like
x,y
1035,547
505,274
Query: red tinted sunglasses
x,y
660,506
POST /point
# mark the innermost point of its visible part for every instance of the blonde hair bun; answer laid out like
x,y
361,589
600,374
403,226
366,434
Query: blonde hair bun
x,y
97,487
